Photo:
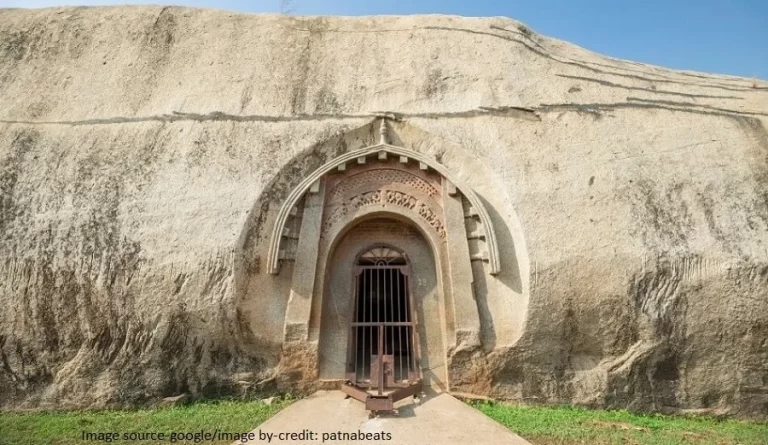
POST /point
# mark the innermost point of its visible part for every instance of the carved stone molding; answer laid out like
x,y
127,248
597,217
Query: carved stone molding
x,y
403,154
431,217
384,175
379,197
400,199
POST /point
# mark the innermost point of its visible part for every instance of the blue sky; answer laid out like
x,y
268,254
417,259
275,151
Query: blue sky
x,y
718,36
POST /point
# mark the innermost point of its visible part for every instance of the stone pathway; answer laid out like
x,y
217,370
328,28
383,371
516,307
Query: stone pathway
x,y
440,419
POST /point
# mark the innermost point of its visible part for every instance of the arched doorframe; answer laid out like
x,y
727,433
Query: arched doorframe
x,y
456,225
436,247
326,249
379,349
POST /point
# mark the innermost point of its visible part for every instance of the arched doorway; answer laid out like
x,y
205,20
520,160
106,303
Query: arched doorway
x,y
319,232
386,261
382,350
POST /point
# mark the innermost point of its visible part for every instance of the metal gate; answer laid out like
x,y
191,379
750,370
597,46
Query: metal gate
x,y
382,354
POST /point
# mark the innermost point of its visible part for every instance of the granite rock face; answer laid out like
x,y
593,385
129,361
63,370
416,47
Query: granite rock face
x,y
141,149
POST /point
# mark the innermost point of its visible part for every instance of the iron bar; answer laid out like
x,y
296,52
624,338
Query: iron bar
x,y
370,318
383,283
390,331
377,323
380,352
354,392
355,328
409,330
399,329
361,290
381,360
408,333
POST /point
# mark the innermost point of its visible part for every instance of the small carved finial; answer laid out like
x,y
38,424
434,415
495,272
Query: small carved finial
x,y
383,132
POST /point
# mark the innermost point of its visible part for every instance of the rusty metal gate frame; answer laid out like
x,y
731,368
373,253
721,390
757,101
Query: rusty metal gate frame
x,y
388,391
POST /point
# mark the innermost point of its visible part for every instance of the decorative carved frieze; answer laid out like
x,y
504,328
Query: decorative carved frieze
x,y
365,199
378,197
381,176
401,199
431,217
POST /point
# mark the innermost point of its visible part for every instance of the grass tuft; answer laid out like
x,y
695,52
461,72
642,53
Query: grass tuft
x,y
65,428
570,426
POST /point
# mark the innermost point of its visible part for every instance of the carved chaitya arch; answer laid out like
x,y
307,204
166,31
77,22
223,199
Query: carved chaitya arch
x,y
380,194
381,150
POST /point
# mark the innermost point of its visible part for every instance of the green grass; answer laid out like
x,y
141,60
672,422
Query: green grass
x,y
570,426
540,425
65,428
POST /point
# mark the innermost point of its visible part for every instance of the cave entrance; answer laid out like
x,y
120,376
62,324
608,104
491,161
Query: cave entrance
x,y
382,356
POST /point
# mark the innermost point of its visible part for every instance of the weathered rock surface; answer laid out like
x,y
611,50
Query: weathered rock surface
x,y
135,143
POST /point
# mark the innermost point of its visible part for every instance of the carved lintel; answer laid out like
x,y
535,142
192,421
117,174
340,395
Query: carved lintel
x,y
392,197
